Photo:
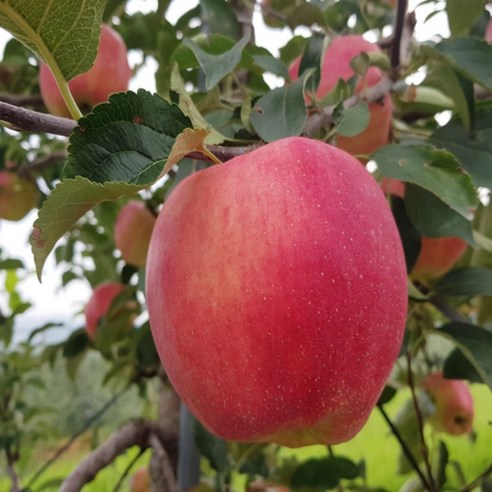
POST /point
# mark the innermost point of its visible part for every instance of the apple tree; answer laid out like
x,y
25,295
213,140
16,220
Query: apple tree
x,y
279,237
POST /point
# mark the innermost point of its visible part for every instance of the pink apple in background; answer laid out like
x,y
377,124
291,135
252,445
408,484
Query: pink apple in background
x,y
488,32
335,66
17,196
99,304
437,255
276,290
132,232
141,481
110,73
453,402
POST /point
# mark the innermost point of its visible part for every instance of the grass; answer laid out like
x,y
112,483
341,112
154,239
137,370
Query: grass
x,y
375,444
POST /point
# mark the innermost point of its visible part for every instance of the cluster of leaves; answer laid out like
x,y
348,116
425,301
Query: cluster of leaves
x,y
212,89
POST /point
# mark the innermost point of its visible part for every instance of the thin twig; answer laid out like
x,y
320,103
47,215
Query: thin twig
x,y
406,450
165,478
22,100
420,425
478,480
447,310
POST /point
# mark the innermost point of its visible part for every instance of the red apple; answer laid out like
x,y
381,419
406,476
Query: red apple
x,y
276,291
132,231
17,196
437,254
453,402
141,481
99,304
488,32
335,66
110,73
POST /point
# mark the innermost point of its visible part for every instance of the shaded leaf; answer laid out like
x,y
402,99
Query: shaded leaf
x,y
466,282
433,218
212,447
462,15
473,151
434,170
219,17
353,120
475,344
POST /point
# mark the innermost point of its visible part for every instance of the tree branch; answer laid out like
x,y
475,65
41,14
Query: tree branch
x,y
478,480
33,121
22,100
162,473
401,10
136,433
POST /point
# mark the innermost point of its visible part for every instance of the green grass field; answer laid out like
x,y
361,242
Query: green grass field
x,y
375,444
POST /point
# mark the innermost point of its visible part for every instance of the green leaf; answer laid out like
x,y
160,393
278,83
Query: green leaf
x,y
470,281
127,139
281,112
68,202
219,17
474,151
387,395
76,344
459,89
213,448
324,473
433,218
312,59
442,464
462,15
11,264
475,344
353,120
272,65
470,56
63,33
434,170
216,67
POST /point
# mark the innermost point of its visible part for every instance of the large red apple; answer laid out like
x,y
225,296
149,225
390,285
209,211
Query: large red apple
x,y
276,291
437,254
132,231
453,403
335,66
99,304
17,196
110,73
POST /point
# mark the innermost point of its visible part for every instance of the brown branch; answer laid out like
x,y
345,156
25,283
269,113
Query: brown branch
x,y
163,476
33,121
401,11
136,433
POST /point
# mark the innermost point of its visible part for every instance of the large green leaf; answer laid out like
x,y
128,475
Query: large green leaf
x,y
216,67
68,202
470,56
63,33
434,170
353,120
127,139
474,151
433,218
219,16
475,344
470,281
462,15
281,112
119,149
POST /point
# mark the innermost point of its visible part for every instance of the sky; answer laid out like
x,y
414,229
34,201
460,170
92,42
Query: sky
x,y
54,304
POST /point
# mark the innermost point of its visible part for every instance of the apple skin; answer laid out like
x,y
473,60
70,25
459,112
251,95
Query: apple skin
x,y
276,291
132,232
99,304
453,402
488,32
437,254
335,66
141,481
109,73
17,196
